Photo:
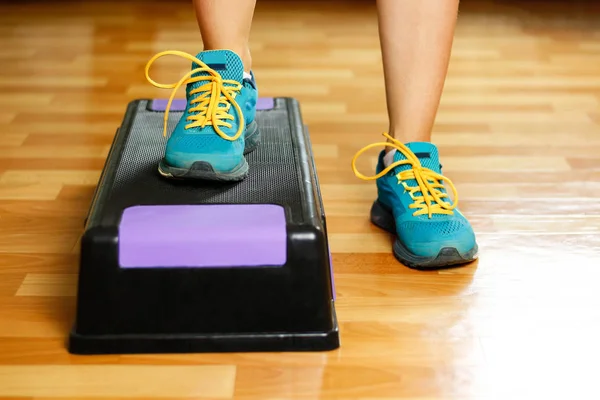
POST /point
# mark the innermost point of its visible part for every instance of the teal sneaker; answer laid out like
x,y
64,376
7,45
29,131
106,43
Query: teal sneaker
x,y
412,203
218,125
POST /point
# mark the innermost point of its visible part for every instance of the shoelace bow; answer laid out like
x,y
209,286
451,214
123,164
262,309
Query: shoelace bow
x,y
208,110
431,201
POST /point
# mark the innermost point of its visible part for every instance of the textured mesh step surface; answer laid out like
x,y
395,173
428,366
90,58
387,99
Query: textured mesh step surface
x,y
274,176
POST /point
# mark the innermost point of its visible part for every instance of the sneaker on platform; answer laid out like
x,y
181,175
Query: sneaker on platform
x,y
218,125
412,203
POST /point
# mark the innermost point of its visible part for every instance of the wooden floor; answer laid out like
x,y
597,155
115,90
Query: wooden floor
x,y
519,134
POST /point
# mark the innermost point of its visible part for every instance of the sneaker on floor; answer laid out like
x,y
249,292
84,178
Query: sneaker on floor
x,y
218,125
413,204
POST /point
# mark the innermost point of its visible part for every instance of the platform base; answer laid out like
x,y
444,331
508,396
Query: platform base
x,y
148,344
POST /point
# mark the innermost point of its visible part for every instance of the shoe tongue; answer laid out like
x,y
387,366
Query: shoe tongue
x,y
427,154
225,62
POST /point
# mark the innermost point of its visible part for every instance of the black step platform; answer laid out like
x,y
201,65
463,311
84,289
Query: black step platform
x,y
177,266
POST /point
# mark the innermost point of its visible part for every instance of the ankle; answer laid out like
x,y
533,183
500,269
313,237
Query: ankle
x,y
388,149
404,137
247,60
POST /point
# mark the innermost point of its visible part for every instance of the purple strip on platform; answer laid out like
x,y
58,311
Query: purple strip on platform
x,y
161,105
332,280
233,235
264,103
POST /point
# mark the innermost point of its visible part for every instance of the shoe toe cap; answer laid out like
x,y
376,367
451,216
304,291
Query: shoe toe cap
x,y
428,238
184,150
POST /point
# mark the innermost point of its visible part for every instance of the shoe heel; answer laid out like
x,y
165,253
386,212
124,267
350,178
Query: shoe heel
x,y
382,218
252,139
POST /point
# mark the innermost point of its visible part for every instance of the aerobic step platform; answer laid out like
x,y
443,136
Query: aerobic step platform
x,y
177,266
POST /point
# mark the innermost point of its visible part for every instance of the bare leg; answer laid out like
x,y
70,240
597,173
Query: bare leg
x,y
225,24
416,39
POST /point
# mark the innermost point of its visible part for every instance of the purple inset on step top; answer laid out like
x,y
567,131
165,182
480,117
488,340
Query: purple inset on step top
x,y
264,103
331,272
232,235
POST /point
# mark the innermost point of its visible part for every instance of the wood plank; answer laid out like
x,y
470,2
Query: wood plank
x,y
140,381
48,285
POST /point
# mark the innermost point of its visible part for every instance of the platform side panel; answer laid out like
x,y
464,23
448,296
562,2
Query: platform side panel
x,y
98,289
316,190
109,172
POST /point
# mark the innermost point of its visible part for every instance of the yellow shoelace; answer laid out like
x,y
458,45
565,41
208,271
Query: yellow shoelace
x,y
209,103
431,201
